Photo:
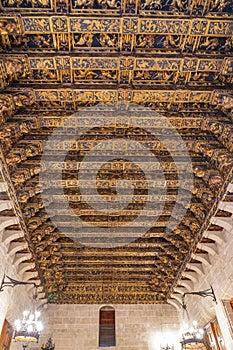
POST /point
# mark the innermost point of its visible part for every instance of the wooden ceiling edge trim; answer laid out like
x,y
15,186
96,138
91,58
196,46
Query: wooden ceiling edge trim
x,y
204,263
13,249
210,219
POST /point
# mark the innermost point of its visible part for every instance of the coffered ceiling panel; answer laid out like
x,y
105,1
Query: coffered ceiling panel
x,y
168,57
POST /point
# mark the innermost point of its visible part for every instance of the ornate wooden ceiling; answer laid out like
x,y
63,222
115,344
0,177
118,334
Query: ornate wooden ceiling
x,y
58,56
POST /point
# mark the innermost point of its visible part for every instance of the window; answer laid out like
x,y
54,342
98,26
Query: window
x,y
107,327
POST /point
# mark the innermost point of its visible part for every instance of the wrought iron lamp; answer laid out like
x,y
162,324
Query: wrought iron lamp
x,y
28,329
49,345
164,341
193,337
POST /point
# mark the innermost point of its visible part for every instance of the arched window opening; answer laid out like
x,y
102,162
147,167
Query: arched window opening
x,y
107,336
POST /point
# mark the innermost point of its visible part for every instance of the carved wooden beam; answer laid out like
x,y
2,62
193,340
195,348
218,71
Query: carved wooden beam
x,y
130,25
121,70
136,96
126,7
220,158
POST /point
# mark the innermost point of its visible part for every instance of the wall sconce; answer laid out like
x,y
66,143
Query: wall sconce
x,y
11,282
202,293
193,337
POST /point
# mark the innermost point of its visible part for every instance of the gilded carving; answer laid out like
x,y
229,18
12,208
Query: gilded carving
x,y
36,24
12,69
9,25
6,107
172,56
227,102
30,3
17,155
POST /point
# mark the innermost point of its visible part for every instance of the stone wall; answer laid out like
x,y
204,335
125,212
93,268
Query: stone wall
x,y
75,327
